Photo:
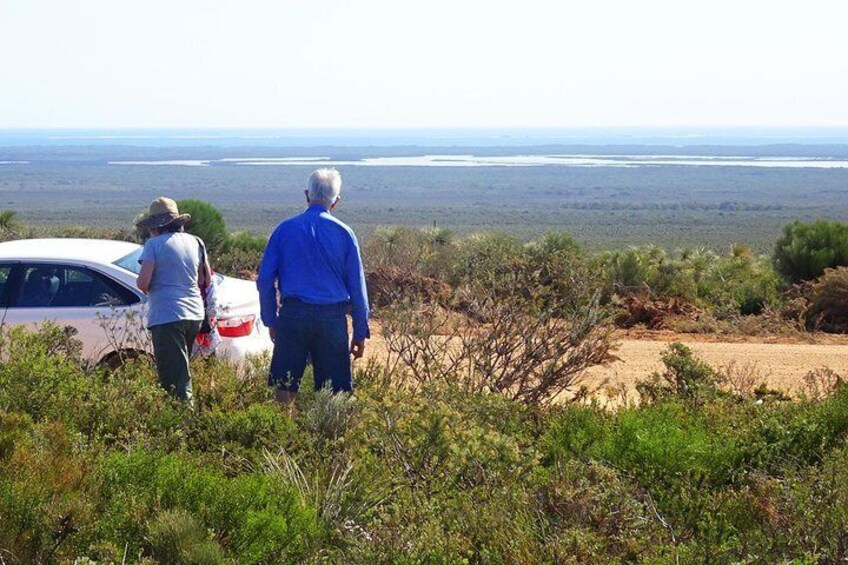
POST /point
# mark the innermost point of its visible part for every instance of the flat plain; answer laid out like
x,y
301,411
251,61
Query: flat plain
x,y
604,207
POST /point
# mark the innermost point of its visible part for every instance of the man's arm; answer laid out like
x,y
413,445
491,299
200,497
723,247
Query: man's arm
x,y
355,283
266,283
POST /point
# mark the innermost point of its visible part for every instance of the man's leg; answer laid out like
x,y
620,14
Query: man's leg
x,y
331,354
288,360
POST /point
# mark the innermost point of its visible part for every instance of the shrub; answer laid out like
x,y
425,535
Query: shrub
x,y
669,442
811,510
576,432
800,433
739,285
484,258
519,340
251,428
821,383
331,415
828,310
206,222
804,251
595,514
175,536
242,263
405,249
259,518
8,219
685,377
553,243
243,241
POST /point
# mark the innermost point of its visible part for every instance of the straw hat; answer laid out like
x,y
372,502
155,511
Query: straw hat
x,y
163,211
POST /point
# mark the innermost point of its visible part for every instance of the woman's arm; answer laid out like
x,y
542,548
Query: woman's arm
x,y
204,274
145,275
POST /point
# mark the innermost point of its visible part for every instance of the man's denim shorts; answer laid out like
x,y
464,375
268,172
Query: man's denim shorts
x,y
319,330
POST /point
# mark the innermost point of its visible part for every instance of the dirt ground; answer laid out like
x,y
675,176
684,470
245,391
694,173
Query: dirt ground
x,y
779,361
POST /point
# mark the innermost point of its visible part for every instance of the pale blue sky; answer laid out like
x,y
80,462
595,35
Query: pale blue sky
x,y
439,63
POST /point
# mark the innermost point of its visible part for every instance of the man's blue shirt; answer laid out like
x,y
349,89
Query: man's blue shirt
x,y
315,258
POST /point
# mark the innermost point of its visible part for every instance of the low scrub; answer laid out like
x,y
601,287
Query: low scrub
x,y
106,467
828,308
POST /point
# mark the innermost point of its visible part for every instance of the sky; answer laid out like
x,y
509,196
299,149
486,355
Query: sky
x,y
405,63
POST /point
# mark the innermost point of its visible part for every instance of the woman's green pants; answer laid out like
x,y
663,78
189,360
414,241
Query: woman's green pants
x,y
172,344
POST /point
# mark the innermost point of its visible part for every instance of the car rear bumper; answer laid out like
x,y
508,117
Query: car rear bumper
x,y
237,348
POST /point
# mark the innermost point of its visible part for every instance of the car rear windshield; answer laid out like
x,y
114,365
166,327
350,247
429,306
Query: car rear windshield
x,y
130,262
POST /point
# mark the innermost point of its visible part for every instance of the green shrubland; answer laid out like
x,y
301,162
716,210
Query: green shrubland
x,y
689,289
105,467
474,441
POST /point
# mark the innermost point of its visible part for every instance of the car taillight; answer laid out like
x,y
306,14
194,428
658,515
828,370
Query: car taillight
x,y
238,326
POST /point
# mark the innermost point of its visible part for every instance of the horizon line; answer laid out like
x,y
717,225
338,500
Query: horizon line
x,y
433,128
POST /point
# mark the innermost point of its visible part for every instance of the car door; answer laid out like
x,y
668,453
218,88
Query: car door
x,y
7,283
97,306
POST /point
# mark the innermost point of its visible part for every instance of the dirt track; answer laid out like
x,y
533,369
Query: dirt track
x,y
781,365
779,361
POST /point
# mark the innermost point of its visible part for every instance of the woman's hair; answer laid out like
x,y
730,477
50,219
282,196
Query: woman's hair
x,y
173,227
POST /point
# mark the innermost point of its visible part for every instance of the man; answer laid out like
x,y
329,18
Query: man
x,y
312,261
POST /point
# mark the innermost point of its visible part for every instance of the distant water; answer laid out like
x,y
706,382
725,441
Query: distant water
x,y
511,161
494,137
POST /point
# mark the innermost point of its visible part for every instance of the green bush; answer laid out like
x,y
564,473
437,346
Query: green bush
x,y
804,250
553,243
245,431
260,518
685,377
238,263
174,536
245,242
240,255
485,258
207,223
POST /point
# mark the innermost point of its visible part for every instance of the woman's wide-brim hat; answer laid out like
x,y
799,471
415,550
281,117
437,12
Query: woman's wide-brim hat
x,y
163,211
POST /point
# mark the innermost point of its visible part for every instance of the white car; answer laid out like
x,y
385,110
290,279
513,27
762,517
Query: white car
x,y
89,284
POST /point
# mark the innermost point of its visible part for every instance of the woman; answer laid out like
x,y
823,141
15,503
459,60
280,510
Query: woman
x,y
173,268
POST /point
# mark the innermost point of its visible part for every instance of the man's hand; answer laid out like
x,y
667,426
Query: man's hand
x,y
357,348
273,333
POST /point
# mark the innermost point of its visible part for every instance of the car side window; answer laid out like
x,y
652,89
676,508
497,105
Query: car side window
x,y
5,283
63,286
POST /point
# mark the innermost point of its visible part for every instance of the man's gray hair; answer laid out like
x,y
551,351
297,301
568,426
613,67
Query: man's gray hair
x,y
324,186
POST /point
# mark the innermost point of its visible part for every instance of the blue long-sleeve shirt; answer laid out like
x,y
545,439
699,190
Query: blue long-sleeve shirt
x,y
315,258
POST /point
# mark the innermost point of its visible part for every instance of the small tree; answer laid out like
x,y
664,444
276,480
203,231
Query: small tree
x,y
206,222
519,340
804,250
